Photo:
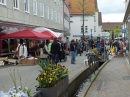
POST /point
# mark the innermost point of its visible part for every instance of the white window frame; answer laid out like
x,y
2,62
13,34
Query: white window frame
x,y
58,2
47,12
35,10
42,9
61,18
55,16
94,28
58,17
16,4
61,3
26,6
3,3
52,14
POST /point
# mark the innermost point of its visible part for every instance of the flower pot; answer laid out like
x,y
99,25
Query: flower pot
x,y
55,91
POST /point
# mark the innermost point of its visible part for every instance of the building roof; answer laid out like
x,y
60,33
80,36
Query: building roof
x,y
110,25
91,5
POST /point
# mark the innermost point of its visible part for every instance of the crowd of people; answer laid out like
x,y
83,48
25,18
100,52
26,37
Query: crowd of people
x,y
98,47
55,49
120,46
51,50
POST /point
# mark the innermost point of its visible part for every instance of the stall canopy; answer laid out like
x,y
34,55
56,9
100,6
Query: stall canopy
x,y
26,34
47,32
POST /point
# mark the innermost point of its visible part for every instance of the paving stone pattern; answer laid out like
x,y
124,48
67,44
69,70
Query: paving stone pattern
x,y
112,81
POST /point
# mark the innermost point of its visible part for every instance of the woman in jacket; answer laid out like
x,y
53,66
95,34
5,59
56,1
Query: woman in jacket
x,y
72,51
43,54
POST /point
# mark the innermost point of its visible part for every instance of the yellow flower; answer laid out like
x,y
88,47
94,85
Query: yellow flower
x,y
50,79
44,73
41,78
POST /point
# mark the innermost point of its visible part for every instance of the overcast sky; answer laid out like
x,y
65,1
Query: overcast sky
x,y
112,10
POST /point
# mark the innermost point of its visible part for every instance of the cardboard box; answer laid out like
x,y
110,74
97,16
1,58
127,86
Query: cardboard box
x,y
28,62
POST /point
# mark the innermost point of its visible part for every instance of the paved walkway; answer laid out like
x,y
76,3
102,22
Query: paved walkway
x,y
112,81
29,73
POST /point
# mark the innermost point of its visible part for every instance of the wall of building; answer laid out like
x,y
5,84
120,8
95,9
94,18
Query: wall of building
x,y
126,4
10,14
76,24
66,21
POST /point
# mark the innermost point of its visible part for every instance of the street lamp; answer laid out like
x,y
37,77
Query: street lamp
x,y
91,33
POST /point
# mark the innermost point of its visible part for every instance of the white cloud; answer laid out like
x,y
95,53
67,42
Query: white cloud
x,y
112,10
112,17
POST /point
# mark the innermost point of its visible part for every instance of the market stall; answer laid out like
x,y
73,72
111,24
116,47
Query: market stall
x,y
25,34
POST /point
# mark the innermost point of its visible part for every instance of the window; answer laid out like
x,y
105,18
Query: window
x,y
3,2
42,9
61,3
51,14
35,7
58,2
71,18
26,5
58,17
47,12
55,16
94,28
61,16
16,4
86,29
81,29
55,1
85,18
94,19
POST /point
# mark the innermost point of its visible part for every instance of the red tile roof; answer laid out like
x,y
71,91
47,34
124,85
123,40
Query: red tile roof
x,y
91,6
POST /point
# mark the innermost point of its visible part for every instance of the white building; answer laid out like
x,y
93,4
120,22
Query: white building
x,y
92,23
91,26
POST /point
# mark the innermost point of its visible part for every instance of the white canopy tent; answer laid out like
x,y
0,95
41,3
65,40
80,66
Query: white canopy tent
x,y
42,30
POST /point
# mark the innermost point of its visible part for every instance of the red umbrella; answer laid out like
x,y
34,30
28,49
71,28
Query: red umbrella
x,y
26,34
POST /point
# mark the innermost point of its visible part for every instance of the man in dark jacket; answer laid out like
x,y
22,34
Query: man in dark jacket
x,y
55,49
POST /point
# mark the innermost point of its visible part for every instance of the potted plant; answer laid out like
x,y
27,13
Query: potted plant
x,y
53,79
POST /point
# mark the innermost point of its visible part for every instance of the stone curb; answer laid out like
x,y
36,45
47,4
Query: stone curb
x,y
87,87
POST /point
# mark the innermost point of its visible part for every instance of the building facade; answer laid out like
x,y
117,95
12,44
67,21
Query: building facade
x,y
91,26
92,20
126,22
32,13
18,15
66,21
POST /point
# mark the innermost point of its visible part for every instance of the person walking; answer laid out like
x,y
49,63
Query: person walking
x,y
44,52
79,47
55,48
72,51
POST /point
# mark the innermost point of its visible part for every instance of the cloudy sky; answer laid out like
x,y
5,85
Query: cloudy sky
x,y
112,10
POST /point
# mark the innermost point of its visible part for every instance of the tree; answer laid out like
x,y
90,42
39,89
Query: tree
x,y
117,30
84,7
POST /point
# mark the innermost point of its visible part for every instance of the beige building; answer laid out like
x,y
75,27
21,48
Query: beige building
x,y
31,13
